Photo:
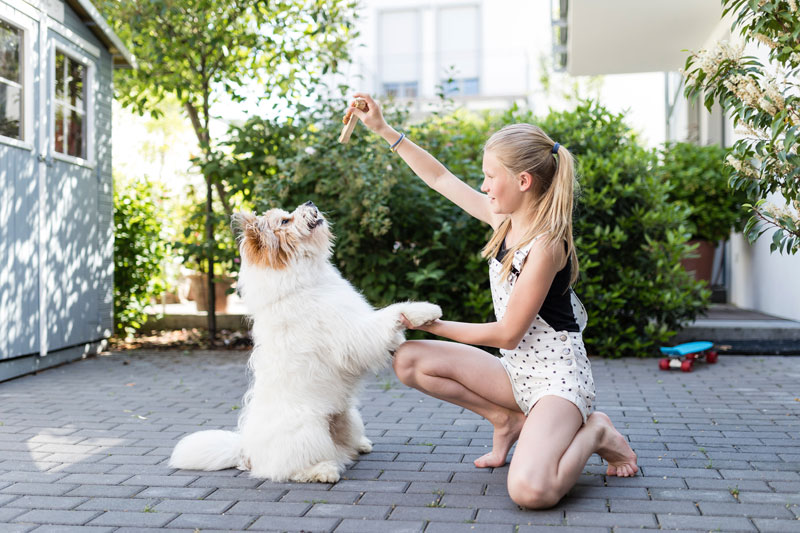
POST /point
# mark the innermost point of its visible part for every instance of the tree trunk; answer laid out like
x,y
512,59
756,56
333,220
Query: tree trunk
x,y
212,300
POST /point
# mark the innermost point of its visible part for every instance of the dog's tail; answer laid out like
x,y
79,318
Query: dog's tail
x,y
207,450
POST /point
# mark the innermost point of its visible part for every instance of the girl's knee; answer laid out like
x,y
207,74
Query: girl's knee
x,y
532,493
405,361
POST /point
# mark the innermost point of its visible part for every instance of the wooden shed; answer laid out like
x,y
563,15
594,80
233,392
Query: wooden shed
x,y
56,204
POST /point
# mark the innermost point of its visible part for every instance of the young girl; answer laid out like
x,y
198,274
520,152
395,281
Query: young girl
x,y
541,392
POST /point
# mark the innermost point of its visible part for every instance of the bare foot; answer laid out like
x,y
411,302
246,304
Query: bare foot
x,y
506,433
613,447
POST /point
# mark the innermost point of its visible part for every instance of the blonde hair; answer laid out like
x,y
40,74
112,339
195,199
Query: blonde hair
x,y
526,148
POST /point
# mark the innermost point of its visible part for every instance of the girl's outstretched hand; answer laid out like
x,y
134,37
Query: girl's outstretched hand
x,y
372,117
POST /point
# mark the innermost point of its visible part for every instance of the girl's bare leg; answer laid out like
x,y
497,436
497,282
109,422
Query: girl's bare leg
x,y
468,377
553,448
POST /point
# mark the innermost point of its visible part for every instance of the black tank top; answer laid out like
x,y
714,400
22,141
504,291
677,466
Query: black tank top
x,y
556,309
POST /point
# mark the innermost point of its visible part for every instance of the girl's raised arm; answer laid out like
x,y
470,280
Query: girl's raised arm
x,y
424,165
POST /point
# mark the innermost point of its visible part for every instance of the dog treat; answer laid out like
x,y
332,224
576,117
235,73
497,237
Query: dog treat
x,y
350,124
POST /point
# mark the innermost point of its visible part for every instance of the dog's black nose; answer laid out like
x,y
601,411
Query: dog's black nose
x,y
309,204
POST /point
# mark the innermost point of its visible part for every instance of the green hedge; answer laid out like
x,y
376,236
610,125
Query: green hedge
x,y
139,249
397,239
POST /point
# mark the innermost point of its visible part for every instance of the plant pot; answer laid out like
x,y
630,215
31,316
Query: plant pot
x,y
199,292
701,265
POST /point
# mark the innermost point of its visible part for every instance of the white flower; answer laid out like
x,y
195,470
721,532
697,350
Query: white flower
x,y
310,150
765,40
793,5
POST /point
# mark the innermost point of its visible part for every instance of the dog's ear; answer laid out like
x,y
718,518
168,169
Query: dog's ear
x,y
240,222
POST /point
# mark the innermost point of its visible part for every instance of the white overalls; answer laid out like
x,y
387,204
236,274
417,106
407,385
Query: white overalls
x,y
546,362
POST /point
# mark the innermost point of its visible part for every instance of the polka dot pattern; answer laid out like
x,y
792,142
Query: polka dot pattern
x,y
546,362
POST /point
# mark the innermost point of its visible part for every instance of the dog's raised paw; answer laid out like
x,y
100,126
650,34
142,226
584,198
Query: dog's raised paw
x,y
324,472
419,313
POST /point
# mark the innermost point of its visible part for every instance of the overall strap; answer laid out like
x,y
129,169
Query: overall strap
x,y
522,253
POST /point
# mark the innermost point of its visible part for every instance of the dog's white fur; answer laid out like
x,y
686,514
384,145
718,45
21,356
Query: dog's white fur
x,y
314,338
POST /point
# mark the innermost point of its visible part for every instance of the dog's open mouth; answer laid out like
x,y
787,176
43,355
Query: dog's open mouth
x,y
315,223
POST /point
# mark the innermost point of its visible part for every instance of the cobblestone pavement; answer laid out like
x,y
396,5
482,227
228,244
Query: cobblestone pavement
x,y
83,447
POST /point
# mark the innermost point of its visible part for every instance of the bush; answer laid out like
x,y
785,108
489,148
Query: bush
x,y
139,249
630,238
397,239
698,179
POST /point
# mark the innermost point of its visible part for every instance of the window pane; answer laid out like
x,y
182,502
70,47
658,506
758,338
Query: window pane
x,y
75,135
60,75
470,86
410,90
77,74
10,41
59,128
10,111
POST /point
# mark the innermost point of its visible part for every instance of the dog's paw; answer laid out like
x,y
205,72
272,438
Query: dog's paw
x,y
364,445
419,313
324,472
244,464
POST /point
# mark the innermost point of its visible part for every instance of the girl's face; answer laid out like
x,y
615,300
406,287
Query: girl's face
x,y
500,186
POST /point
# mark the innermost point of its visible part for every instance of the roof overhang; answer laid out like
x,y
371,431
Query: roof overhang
x,y
626,36
122,58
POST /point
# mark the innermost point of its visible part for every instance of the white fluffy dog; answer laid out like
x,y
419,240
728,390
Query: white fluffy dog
x,y
314,337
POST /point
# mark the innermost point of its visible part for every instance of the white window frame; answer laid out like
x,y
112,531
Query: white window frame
x,y
88,119
27,63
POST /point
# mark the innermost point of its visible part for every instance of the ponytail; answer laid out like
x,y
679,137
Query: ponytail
x,y
526,148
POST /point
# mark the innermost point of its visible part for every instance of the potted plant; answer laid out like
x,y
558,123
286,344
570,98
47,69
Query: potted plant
x,y
226,261
698,179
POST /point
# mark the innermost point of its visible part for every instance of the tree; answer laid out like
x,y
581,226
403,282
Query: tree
x,y
200,50
765,105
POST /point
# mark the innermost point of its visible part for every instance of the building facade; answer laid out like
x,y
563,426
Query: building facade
x,y
56,196
627,36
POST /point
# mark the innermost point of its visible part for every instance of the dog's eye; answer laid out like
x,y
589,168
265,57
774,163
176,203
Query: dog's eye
x,y
285,221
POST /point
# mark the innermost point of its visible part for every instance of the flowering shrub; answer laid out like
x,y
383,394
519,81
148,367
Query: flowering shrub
x,y
766,107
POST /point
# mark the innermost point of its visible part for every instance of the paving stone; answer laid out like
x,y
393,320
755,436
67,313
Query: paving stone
x,y
583,518
117,504
210,521
100,491
270,508
133,519
39,489
311,496
305,524
70,529
469,527
707,523
42,516
371,526
765,525
520,516
653,506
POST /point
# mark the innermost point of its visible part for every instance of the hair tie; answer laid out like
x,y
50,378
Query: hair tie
x,y
555,148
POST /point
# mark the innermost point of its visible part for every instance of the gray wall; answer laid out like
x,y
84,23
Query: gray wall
x,y
78,219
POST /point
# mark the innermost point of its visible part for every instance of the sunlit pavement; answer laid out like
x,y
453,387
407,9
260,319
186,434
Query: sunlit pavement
x,y
83,447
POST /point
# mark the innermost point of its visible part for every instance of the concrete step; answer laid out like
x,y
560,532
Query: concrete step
x,y
744,331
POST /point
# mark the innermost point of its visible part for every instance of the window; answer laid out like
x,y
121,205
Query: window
x,y
399,43
459,50
401,90
70,106
11,93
